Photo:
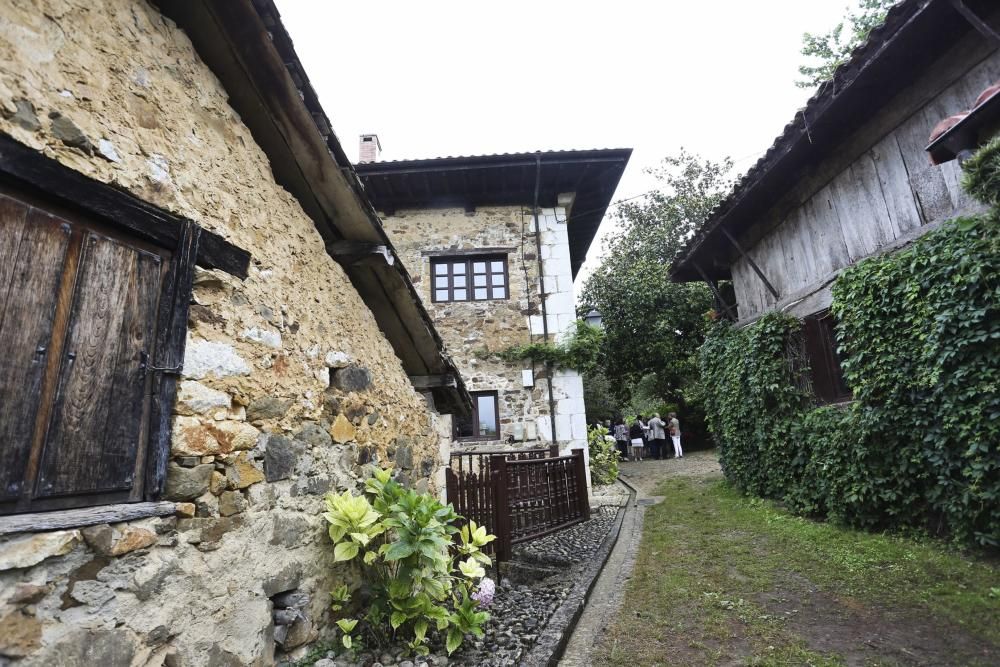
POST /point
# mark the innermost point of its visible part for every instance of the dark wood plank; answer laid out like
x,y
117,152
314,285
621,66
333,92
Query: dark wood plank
x,y
73,458
171,335
26,329
124,445
12,219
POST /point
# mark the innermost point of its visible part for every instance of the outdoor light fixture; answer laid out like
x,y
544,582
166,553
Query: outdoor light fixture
x,y
594,318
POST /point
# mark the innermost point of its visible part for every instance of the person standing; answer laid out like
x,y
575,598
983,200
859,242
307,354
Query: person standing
x,y
657,437
637,438
621,438
675,435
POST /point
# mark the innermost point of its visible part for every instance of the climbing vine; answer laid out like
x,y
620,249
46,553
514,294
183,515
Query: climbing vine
x,y
579,349
919,337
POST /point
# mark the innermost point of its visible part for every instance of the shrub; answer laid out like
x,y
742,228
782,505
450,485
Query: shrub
x,y
413,571
919,336
603,456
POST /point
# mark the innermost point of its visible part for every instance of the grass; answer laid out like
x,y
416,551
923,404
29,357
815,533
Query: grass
x,y
725,579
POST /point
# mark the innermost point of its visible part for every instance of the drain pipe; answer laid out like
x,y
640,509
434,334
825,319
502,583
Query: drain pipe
x,y
541,287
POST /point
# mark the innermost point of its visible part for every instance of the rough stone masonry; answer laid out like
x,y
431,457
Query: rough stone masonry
x,y
288,390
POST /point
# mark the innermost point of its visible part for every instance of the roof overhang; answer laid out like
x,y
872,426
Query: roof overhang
x,y
249,50
505,179
914,35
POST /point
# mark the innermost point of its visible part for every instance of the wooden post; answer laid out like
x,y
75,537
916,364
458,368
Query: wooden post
x,y
501,509
581,483
554,450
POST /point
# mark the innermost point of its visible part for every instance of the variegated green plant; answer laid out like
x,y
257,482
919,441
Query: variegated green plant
x,y
417,574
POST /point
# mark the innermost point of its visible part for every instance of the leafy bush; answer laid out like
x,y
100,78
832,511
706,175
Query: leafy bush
x,y
413,571
603,456
919,335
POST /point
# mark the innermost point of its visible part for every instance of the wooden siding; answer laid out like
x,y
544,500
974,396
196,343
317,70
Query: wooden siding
x,y
885,195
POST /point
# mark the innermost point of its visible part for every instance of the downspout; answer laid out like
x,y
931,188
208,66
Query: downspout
x,y
541,287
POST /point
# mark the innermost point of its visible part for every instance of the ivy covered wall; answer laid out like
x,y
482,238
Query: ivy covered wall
x,y
918,332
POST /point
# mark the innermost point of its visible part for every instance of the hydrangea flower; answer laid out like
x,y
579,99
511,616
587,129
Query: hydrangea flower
x,y
484,594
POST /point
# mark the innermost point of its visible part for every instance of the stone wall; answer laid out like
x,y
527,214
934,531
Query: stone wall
x,y
289,388
469,328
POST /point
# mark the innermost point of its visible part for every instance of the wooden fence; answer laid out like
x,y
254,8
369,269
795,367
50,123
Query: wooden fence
x,y
519,495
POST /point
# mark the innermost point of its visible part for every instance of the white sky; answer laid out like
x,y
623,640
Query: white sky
x,y
468,78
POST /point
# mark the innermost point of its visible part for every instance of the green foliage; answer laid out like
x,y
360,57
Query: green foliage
x,y
652,324
919,336
414,570
600,397
603,456
579,349
981,177
831,49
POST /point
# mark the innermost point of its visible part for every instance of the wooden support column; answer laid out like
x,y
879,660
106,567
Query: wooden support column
x,y
501,509
753,264
581,483
433,381
976,21
715,292
353,253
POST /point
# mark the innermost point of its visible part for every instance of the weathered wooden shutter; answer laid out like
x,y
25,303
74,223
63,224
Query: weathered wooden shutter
x,y
94,435
821,348
91,321
33,249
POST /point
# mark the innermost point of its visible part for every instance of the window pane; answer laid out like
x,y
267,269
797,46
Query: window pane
x,y
486,412
479,267
479,281
496,267
498,279
442,295
481,293
458,268
441,282
460,281
440,269
459,295
499,293
464,427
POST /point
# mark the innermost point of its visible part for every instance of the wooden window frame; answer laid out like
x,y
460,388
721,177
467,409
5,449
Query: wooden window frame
x,y
476,435
92,207
469,274
826,374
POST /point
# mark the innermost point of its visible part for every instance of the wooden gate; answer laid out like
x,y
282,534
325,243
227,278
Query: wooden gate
x,y
519,495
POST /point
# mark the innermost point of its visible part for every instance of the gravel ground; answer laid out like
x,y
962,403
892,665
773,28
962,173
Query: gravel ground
x,y
519,611
647,475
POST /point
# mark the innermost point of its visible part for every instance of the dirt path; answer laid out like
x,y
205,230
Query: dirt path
x,y
723,580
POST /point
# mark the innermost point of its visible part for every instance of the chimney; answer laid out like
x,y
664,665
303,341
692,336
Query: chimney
x,y
370,148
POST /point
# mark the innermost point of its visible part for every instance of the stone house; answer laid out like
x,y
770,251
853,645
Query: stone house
x,y
206,328
851,175
493,243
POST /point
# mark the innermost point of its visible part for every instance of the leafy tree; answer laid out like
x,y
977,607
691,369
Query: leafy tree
x,y
653,325
830,49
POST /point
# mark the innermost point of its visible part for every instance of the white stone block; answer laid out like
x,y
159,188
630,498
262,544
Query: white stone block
x,y
560,303
579,427
203,358
544,427
535,325
564,427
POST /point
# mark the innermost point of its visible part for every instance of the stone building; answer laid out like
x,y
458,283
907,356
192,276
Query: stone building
x,y
205,329
493,244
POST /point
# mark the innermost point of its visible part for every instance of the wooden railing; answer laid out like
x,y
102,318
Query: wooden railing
x,y
519,495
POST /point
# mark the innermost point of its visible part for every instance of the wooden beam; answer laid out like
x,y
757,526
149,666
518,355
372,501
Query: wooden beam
x,y
715,292
975,20
753,264
432,381
39,173
86,516
360,252
455,252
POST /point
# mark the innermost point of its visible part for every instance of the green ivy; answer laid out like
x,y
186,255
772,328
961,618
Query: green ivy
x,y
580,349
919,336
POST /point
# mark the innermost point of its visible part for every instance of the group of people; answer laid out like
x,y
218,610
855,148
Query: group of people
x,y
647,436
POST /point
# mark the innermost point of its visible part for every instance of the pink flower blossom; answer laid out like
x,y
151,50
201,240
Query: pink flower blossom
x,y
484,594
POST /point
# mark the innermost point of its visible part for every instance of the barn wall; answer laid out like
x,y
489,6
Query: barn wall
x,y
877,192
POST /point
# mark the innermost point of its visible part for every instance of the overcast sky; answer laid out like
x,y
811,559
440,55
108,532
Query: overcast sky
x,y
468,78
